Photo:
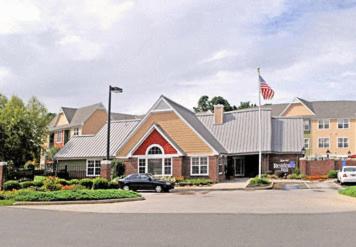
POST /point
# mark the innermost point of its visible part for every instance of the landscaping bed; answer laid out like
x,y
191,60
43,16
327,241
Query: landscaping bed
x,y
195,182
48,189
259,182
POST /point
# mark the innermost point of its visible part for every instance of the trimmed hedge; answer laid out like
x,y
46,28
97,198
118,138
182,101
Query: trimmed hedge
x,y
332,174
11,185
196,181
86,182
100,183
68,195
259,181
26,184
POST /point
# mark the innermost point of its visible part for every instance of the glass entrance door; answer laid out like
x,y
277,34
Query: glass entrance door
x,y
154,166
239,165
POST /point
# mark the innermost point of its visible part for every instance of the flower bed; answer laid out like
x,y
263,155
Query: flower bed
x,y
195,182
65,195
255,182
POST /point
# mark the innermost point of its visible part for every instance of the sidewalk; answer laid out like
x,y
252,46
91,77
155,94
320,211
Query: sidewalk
x,y
236,184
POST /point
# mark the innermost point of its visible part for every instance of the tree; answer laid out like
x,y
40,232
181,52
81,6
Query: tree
x,y
23,127
245,105
204,104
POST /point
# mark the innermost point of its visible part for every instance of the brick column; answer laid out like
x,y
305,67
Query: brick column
x,y
2,174
177,165
105,169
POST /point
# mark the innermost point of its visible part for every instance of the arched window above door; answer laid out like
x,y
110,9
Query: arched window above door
x,y
154,150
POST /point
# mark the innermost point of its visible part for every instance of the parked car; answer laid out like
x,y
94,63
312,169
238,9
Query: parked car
x,y
145,182
347,174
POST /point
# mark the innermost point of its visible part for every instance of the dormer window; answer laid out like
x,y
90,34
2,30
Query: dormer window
x,y
76,132
59,136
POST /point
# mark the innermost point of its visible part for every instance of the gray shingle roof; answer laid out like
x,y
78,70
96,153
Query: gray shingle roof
x,y
287,134
197,125
323,109
239,132
95,146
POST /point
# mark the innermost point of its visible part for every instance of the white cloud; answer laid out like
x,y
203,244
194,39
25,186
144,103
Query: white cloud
x,y
18,16
219,55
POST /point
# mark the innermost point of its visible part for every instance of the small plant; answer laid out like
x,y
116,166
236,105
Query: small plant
x,y
62,181
113,185
100,183
259,181
26,184
39,179
12,185
86,182
38,183
51,184
332,174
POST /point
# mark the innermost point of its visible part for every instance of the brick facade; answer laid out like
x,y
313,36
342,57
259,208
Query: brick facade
x,y
322,167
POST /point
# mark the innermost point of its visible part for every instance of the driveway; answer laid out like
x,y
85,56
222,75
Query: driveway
x,y
233,202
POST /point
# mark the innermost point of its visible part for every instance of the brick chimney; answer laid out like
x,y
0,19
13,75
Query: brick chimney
x,y
218,114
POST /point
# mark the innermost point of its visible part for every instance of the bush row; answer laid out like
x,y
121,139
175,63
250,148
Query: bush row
x,y
54,183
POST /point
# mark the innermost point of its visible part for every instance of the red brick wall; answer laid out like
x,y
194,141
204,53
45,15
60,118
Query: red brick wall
x,y
316,167
130,166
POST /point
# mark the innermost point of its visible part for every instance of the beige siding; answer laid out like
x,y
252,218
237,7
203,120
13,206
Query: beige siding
x,y
62,120
297,109
333,133
180,132
94,123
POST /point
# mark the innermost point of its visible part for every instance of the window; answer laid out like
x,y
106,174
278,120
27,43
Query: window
x,y
343,123
324,124
324,142
221,166
168,166
59,136
93,168
142,166
343,142
154,150
76,132
306,125
199,166
306,143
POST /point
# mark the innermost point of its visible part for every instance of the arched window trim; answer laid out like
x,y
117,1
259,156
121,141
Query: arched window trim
x,y
155,145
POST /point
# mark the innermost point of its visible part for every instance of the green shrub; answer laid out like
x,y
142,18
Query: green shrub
x,y
259,181
332,174
196,181
100,183
38,183
113,185
26,184
73,181
69,195
295,176
117,168
51,184
12,185
86,182
62,181
39,179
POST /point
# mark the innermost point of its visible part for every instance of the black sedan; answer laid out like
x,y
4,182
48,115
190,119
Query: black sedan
x,y
144,182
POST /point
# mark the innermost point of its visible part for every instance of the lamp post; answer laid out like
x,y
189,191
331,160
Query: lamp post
x,y
114,90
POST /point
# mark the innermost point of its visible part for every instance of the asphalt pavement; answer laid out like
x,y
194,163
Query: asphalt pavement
x,y
26,227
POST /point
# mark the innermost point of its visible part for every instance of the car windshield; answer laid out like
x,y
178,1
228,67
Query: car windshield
x,y
131,177
350,169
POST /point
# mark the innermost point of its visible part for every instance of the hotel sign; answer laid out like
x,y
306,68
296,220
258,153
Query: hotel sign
x,y
283,165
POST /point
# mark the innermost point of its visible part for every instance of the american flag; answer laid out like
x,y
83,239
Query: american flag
x,y
266,91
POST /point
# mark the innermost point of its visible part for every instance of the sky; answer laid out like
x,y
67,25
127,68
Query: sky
x,y
66,53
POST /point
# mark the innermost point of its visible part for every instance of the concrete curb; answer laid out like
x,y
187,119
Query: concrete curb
x,y
206,189
78,202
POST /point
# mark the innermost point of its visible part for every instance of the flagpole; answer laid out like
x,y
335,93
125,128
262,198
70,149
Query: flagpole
x,y
259,128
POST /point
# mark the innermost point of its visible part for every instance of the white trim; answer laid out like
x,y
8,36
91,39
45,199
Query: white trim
x,y
323,119
86,167
243,166
62,136
155,145
296,100
145,136
191,166
146,158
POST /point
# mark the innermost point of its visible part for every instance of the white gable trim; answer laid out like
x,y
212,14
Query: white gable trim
x,y
296,100
152,109
144,137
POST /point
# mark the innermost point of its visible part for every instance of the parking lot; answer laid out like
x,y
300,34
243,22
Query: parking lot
x,y
315,200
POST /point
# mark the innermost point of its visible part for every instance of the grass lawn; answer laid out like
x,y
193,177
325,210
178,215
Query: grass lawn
x,y
349,191
10,197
